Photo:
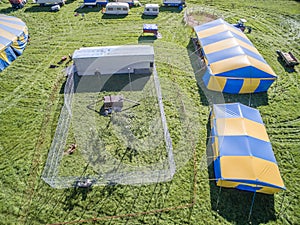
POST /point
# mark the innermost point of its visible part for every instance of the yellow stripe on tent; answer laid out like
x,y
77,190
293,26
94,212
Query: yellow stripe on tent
x,y
218,29
228,43
15,26
250,85
232,184
229,64
7,35
262,66
216,83
250,168
241,126
2,46
215,148
3,56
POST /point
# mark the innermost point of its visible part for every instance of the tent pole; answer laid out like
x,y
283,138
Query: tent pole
x,y
218,197
251,206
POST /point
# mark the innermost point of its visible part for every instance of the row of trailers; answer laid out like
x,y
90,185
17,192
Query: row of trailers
x,y
20,3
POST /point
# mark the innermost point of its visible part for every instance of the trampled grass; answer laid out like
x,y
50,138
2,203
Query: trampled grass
x,y
31,98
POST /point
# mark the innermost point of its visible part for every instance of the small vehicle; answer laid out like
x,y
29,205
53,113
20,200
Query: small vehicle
x,y
241,24
50,2
95,2
176,3
288,58
151,10
18,4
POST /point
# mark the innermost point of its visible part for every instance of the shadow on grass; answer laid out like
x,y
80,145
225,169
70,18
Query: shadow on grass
x,y
172,9
208,97
7,10
286,68
148,17
107,16
37,8
146,39
234,205
88,9
110,83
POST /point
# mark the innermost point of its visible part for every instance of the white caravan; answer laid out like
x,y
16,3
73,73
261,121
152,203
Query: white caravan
x,y
117,8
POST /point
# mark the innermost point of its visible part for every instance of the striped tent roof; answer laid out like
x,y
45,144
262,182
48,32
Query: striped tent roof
x,y
243,155
230,56
13,39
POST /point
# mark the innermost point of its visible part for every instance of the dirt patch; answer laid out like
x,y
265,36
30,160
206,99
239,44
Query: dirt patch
x,y
197,18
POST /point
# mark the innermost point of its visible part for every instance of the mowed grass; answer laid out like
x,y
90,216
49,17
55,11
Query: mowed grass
x,y
31,97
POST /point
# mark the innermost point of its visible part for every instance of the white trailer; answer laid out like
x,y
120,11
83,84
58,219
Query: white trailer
x,y
117,8
174,2
151,9
49,2
95,2
124,59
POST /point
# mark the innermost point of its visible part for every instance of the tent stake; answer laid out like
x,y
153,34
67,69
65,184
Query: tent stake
x,y
251,206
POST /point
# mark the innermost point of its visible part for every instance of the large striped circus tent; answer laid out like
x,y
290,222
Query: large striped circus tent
x,y
233,64
243,155
13,39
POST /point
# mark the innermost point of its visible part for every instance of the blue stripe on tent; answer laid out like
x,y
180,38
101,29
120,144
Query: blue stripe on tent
x,y
3,64
257,182
5,41
244,187
233,86
10,54
250,113
206,76
263,85
232,52
217,168
246,72
246,146
222,36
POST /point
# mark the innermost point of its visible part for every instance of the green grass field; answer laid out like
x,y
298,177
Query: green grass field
x,y
31,98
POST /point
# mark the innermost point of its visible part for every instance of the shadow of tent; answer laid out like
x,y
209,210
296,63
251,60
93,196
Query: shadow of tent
x,y
208,97
110,83
234,205
146,39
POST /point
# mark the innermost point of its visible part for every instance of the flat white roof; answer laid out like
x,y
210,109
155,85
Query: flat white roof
x,y
151,6
125,4
129,50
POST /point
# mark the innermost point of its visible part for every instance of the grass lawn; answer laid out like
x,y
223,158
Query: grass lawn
x,y
31,99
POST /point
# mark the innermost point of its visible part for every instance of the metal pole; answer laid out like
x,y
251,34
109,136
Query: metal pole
x,y
129,78
253,198
218,197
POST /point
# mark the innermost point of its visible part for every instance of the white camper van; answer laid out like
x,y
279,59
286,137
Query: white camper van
x,y
50,2
151,9
117,8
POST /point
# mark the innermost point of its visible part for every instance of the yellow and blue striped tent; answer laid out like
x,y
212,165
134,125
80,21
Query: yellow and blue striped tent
x,y
243,155
233,64
13,39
